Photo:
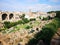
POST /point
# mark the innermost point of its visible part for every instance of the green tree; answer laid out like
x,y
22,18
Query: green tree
x,y
7,24
57,14
27,27
32,19
46,33
22,16
25,20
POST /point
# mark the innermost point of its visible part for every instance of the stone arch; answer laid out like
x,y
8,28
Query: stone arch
x,y
11,16
4,16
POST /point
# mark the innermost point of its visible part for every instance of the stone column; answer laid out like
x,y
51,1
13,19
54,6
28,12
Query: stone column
x,y
7,16
0,17
14,18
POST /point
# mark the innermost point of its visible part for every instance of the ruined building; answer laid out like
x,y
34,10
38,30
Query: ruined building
x,y
14,16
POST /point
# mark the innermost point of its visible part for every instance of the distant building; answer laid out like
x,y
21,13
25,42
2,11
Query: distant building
x,y
15,16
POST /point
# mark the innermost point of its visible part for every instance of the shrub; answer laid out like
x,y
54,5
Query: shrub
x,y
46,33
20,22
7,24
57,14
25,20
45,18
32,19
2,29
39,17
27,27
22,16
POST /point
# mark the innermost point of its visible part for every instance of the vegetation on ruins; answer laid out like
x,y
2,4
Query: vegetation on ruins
x,y
27,27
45,18
25,20
32,19
10,27
57,13
39,17
47,32
22,16
8,24
2,29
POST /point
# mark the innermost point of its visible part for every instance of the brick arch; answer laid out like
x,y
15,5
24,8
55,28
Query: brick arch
x,y
4,16
11,16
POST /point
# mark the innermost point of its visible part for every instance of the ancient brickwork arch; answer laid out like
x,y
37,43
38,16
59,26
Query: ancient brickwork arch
x,y
11,16
4,16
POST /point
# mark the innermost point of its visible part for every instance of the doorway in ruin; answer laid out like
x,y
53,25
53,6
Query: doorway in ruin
x,y
4,16
11,16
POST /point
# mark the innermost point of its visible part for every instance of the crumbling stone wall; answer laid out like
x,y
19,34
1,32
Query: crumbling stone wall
x,y
9,16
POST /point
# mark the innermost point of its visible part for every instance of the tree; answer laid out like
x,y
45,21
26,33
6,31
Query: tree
x,y
39,17
22,16
57,14
25,20
7,24
32,19
46,33
27,27
45,18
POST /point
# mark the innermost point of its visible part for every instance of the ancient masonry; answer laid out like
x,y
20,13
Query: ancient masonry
x,y
14,16
9,16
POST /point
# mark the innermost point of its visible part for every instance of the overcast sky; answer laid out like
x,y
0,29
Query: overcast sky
x,y
25,5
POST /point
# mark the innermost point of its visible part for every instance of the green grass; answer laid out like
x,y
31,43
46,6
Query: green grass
x,y
36,23
12,31
23,26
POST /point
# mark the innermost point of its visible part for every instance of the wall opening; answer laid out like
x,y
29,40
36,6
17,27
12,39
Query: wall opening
x,y
4,16
11,16
1,43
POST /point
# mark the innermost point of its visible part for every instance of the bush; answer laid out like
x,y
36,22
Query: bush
x,y
20,22
2,29
32,42
32,19
45,18
22,16
57,14
25,20
39,17
46,33
27,27
7,24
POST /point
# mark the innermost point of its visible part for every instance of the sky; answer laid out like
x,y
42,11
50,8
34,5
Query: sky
x,y
33,5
